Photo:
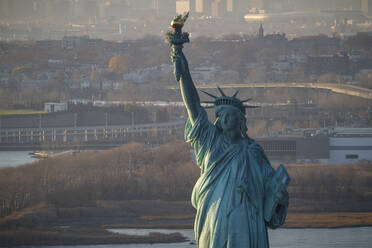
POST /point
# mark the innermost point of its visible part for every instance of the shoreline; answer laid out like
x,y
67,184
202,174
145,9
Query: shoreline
x,y
169,215
81,236
332,220
295,220
85,231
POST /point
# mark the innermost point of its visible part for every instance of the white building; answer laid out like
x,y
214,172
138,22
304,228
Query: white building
x,y
51,107
350,145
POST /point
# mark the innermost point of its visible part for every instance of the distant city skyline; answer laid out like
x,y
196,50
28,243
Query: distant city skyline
x,y
132,19
95,11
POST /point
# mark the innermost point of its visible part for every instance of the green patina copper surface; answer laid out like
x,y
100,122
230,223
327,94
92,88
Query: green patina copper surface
x,y
238,195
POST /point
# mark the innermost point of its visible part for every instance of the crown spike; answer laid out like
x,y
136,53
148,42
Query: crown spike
x,y
245,106
236,93
247,100
215,97
227,100
221,91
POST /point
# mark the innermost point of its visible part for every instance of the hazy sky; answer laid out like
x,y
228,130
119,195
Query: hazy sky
x,y
71,10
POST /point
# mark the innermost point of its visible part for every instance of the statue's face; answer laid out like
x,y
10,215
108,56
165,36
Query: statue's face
x,y
229,119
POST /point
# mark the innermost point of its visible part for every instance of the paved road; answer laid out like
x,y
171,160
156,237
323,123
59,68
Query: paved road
x,y
346,89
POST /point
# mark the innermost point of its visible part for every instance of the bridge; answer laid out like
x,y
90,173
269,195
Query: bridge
x,y
88,136
346,89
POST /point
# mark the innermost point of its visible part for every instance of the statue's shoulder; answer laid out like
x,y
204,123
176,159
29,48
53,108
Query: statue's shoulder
x,y
252,145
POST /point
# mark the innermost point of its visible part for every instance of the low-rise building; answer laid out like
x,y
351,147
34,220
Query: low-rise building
x,y
323,146
51,107
350,145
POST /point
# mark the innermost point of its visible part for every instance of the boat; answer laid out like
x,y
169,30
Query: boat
x,y
39,154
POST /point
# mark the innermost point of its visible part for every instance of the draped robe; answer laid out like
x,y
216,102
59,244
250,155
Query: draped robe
x,y
229,196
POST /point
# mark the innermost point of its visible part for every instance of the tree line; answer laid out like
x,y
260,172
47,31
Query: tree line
x,y
138,172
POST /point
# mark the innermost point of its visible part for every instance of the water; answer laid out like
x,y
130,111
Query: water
x,y
15,158
360,237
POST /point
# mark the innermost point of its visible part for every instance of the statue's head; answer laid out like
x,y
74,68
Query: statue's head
x,y
230,118
230,112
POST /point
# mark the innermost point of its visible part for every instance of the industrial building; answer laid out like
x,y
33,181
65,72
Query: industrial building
x,y
324,146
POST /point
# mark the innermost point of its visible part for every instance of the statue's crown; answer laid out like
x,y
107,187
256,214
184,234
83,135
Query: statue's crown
x,y
228,100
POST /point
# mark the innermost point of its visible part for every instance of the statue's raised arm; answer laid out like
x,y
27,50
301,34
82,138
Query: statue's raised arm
x,y
176,38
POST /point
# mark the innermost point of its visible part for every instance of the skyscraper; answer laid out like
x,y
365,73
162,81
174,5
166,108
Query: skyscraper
x,y
182,6
237,8
230,6
367,7
198,4
218,8
203,7
4,9
259,4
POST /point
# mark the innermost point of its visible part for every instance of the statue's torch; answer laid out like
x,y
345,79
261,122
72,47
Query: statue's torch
x,y
176,38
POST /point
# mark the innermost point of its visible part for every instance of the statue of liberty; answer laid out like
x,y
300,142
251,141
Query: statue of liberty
x,y
238,195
